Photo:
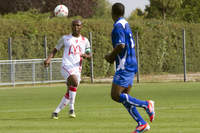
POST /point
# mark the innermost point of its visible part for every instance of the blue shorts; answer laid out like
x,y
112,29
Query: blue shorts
x,y
124,78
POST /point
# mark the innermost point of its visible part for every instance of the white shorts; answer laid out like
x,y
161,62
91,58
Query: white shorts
x,y
66,71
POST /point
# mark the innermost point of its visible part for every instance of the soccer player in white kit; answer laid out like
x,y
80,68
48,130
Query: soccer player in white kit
x,y
76,48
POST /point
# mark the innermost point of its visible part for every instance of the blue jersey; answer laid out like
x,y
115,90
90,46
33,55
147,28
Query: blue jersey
x,y
122,34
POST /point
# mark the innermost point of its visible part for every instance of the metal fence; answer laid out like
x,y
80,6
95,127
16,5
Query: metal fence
x,y
30,71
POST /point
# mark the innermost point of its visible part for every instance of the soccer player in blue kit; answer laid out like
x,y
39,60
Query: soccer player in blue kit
x,y
123,54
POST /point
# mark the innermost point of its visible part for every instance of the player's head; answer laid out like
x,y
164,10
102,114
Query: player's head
x,y
118,10
76,27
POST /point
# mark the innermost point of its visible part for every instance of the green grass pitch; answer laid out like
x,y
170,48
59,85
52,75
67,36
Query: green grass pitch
x,y
28,109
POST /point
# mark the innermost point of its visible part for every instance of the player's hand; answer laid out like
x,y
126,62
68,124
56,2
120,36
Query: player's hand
x,y
46,63
109,59
85,56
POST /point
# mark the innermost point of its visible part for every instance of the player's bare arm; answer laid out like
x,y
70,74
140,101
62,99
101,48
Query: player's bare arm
x,y
111,56
48,60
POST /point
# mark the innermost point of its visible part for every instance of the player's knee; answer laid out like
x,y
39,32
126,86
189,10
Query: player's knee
x,y
72,81
75,83
115,97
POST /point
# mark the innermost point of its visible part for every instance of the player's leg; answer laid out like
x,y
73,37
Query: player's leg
x,y
150,105
116,94
133,101
122,83
147,105
149,109
73,83
64,101
142,127
125,80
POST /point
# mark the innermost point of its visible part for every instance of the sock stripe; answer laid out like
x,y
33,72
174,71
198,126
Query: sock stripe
x,y
132,113
67,95
71,88
132,103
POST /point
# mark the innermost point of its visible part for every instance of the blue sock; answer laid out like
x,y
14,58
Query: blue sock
x,y
130,104
132,101
134,113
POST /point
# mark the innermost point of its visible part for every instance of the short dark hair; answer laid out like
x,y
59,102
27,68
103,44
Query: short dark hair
x,y
118,9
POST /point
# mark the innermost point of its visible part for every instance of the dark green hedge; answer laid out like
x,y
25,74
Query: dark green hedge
x,y
160,42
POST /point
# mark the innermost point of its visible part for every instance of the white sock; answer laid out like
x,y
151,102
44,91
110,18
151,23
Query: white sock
x,y
72,96
63,103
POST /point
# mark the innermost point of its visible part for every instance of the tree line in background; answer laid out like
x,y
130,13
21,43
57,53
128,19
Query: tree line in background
x,y
178,10
84,8
174,10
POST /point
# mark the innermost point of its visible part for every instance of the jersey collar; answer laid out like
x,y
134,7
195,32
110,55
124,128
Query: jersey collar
x,y
118,19
76,37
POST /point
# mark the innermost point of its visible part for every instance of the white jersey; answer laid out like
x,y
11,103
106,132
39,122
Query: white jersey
x,y
73,48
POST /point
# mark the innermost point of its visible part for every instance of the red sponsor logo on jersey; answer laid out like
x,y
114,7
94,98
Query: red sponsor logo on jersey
x,y
74,50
